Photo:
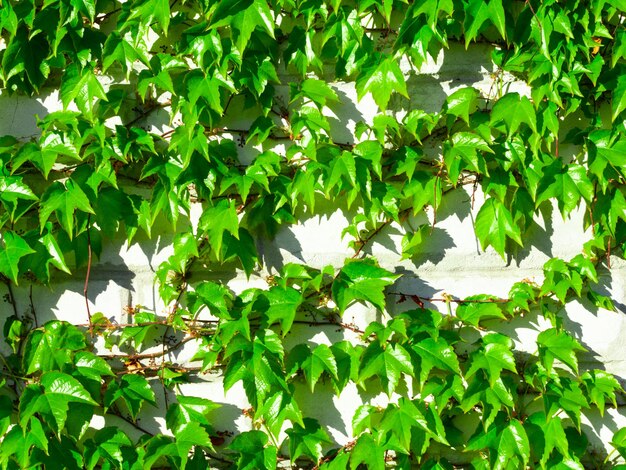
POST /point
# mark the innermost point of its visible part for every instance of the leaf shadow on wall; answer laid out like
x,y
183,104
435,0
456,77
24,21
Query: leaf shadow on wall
x,y
114,283
409,285
344,113
20,112
536,237
458,69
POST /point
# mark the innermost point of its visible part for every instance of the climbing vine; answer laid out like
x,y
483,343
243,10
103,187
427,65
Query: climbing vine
x,y
459,392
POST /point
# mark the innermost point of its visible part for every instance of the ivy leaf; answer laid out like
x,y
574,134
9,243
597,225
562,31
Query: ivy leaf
x,y
618,103
566,184
307,440
477,12
110,444
120,49
513,442
217,220
478,308
361,280
244,17
51,346
494,224
253,453
16,196
189,409
283,305
436,353
388,364
133,390
82,87
368,452
188,436
32,153
494,356
64,201
15,248
315,90
601,387
554,344
619,441
513,110
401,418
59,390
381,79
321,359
465,146
261,129
91,366
462,103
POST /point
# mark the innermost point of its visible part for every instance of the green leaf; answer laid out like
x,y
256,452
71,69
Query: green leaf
x,y
477,12
554,344
64,201
619,441
283,305
318,91
388,364
189,409
217,220
462,103
566,185
188,436
51,346
16,196
32,153
601,387
320,360
494,224
436,353
14,249
81,87
467,147
361,280
134,390
110,444
59,390
307,440
381,79
254,455
368,452
494,356
513,110
91,366
244,17
618,103
478,308
513,442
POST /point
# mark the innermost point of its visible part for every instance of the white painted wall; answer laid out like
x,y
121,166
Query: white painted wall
x,y
452,261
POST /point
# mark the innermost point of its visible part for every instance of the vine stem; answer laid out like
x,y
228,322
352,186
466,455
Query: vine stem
x,y
86,286
7,282
32,306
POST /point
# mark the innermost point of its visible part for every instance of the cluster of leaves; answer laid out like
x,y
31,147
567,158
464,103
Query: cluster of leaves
x,y
97,171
